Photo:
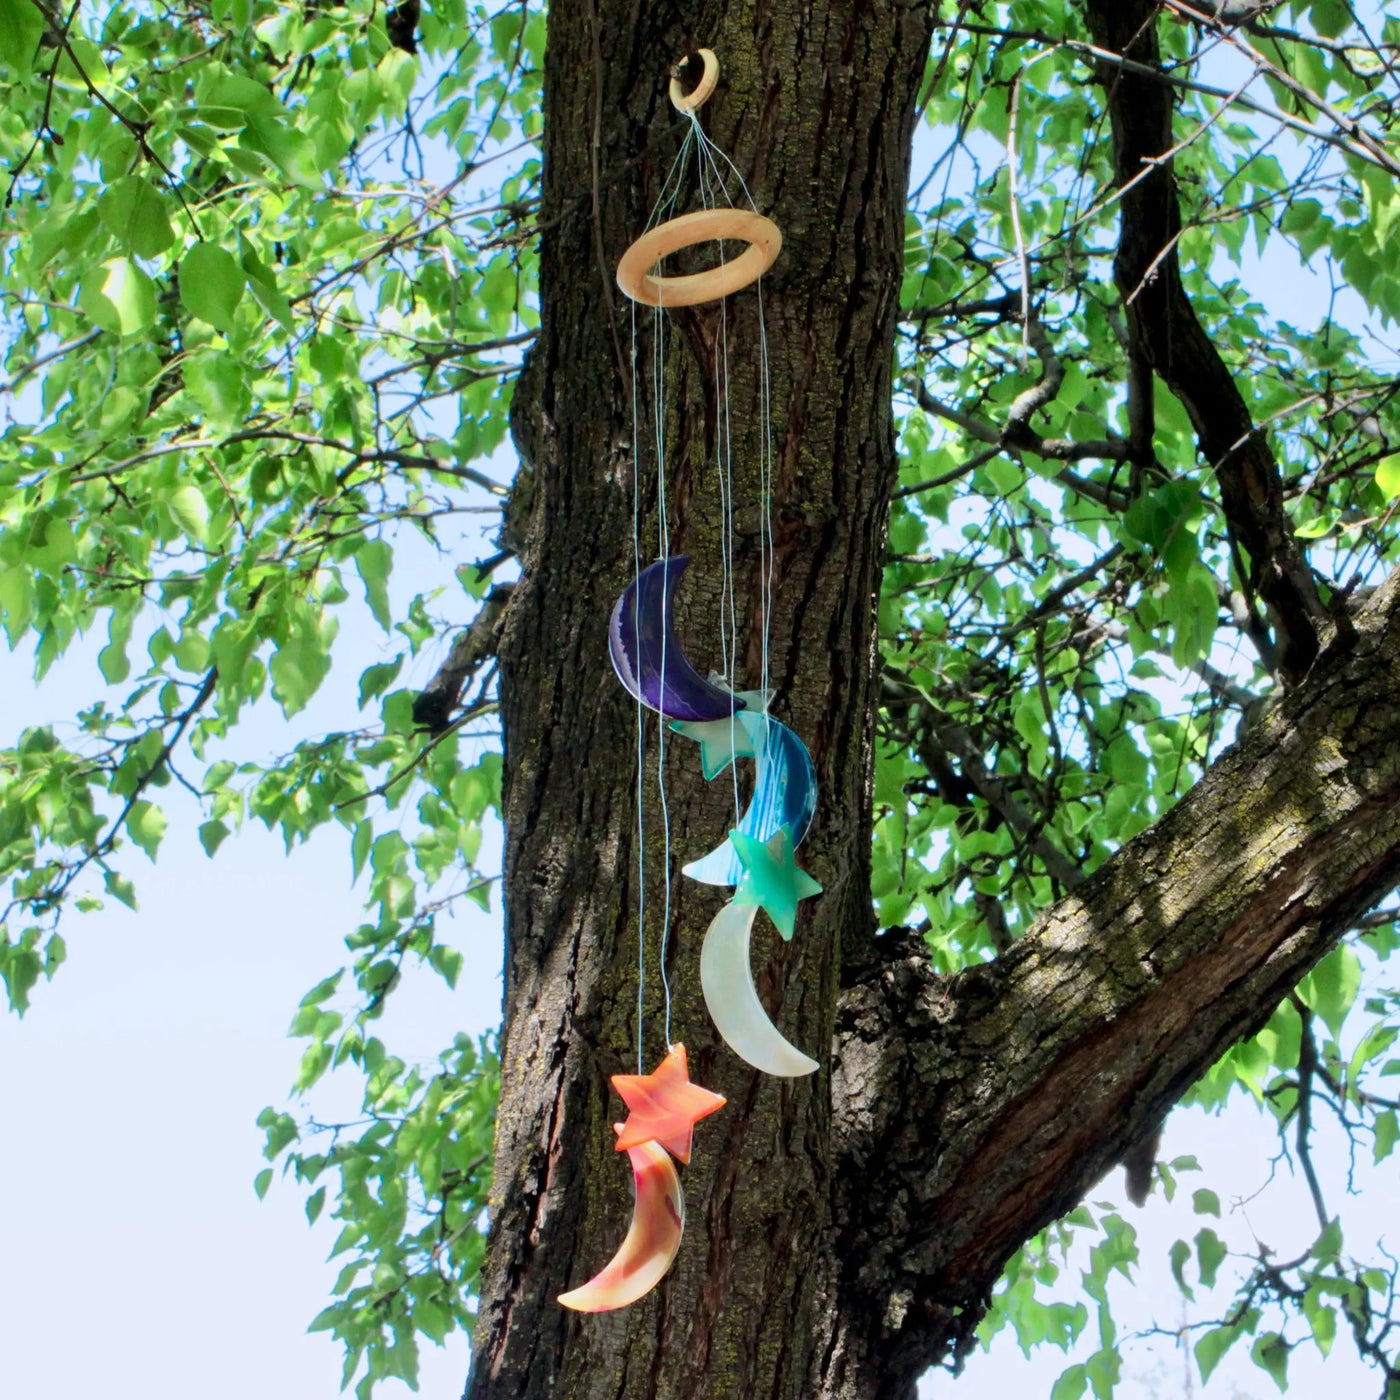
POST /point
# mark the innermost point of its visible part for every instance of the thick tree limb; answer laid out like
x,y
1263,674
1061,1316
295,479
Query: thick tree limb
x,y
1164,330
971,1111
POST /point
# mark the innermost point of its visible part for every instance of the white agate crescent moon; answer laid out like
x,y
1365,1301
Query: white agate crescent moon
x,y
727,979
658,1218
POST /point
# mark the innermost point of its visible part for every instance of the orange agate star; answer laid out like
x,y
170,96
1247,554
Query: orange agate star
x,y
665,1105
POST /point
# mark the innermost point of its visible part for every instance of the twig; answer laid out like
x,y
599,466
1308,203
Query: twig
x,y
53,895
1371,148
1142,70
39,361
482,707
48,108
1013,102
1307,1065
950,738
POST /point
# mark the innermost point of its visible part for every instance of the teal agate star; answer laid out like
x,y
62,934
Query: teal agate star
x,y
772,879
723,740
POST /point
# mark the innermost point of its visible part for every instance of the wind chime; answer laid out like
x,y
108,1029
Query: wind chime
x,y
757,859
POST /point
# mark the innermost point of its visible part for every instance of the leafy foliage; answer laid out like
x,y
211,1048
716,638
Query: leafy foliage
x,y
423,1160
265,274
1070,633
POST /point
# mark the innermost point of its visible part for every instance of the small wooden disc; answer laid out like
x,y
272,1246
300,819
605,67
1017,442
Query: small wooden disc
x,y
708,78
704,226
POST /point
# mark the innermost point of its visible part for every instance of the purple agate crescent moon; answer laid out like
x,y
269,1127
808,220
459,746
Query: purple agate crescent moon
x,y
646,656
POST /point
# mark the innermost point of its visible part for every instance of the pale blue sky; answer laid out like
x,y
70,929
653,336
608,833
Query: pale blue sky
x,y
138,1260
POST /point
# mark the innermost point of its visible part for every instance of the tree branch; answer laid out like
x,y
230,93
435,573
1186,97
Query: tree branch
x,y
1037,1072
1163,328
938,737
433,705
1025,438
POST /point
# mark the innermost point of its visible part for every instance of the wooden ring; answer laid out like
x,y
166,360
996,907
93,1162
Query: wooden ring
x,y
634,271
708,78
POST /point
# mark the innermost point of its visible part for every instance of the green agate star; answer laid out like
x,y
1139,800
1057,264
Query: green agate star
x,y
772,879
723,740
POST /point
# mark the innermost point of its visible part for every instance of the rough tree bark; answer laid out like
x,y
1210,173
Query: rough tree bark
x,y
843,1231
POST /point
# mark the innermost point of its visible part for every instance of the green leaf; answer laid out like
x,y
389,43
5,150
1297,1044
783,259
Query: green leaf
x,y
1211,1252
447,961
1179,1256
1388,476
1270,1353
1104,1369
1330,17
21,24
145,823
1331,987
16,602
1387,1130
20,967
300,663
212,835
112,659
135,211
1205,1202
119,297
218,385
327,1319
1322,1318
375,680
1212,1346
119,887
375,559
323,990
1327,1248
360,846
290,150
280,1130
1029,719
263,286
262,1181
1072,1384
475,583
189,507
211,285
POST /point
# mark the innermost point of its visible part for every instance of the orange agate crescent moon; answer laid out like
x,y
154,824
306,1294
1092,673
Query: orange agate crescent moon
x,y
658,1218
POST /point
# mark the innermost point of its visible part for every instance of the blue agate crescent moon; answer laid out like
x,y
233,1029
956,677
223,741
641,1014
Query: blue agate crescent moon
x,y
784,795
646,656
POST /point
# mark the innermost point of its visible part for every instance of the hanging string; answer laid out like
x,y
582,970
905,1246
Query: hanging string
x,y
669,193
765,469
710,155
641,716
664,533
665,206
724,458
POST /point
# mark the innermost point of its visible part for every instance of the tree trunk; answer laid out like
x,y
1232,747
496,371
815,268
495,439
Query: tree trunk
x,y
843,1231
815,106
